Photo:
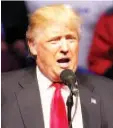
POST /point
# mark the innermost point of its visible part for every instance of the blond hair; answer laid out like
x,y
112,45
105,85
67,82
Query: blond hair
x,y
44,17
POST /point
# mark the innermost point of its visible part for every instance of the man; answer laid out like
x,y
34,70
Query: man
x,y
53,39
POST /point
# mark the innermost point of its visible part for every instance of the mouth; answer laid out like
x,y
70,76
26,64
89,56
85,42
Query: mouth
x,y
63,62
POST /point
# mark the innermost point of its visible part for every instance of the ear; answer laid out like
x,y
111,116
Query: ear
x,y
32,47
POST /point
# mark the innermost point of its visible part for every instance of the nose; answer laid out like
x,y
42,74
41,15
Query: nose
x,y
64,46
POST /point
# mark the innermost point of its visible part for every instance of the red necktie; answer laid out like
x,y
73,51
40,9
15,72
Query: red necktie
x,y
58,117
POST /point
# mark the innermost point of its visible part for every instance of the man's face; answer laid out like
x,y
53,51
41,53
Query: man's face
x,y
57,52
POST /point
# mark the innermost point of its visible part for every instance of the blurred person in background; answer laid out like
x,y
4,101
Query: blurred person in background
x,y
8,61
15,21
36,97
100,59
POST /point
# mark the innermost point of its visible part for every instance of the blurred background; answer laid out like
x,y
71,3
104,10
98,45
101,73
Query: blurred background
x,y
14,22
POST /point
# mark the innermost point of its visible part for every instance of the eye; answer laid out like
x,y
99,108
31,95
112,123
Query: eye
x,y
71,40
55,39
53,42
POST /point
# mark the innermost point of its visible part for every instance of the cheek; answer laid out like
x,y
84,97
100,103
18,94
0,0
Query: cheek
x,y
75,50
75,56
45,54
41,52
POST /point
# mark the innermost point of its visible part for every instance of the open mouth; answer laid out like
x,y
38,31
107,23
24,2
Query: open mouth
x,y
63,62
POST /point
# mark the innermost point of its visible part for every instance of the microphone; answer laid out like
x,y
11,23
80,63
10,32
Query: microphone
x,y
68,77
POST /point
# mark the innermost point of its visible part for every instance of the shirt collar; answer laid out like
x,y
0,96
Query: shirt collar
x,y
42,80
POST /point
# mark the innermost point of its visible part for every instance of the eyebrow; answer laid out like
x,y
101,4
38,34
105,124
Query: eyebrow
x,y
68,36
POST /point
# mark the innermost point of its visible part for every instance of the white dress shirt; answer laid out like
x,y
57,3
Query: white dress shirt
x,y
46,94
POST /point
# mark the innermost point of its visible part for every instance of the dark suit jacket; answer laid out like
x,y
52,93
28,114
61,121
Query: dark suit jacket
x,y
21,105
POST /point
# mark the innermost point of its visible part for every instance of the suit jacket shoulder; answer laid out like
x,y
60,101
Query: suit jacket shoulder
x,y
9,84
102,85
103,88
21,105
10,81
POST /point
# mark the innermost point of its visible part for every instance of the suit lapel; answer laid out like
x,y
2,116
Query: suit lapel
x,y
29,101
90,103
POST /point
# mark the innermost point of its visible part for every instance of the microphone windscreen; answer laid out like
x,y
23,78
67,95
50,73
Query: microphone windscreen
x,y
68,77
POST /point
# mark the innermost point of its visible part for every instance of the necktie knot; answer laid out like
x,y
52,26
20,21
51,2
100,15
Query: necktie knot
x,y
58,85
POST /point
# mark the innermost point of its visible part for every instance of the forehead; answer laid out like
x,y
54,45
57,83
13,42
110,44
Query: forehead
x,y
55,30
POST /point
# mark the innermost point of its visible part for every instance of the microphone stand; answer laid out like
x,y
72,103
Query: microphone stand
x,y
69,104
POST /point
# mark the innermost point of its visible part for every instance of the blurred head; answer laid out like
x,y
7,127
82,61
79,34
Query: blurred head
x,y
53,36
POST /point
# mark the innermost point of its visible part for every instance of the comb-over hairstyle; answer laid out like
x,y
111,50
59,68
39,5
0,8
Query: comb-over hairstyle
x,y
44,17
